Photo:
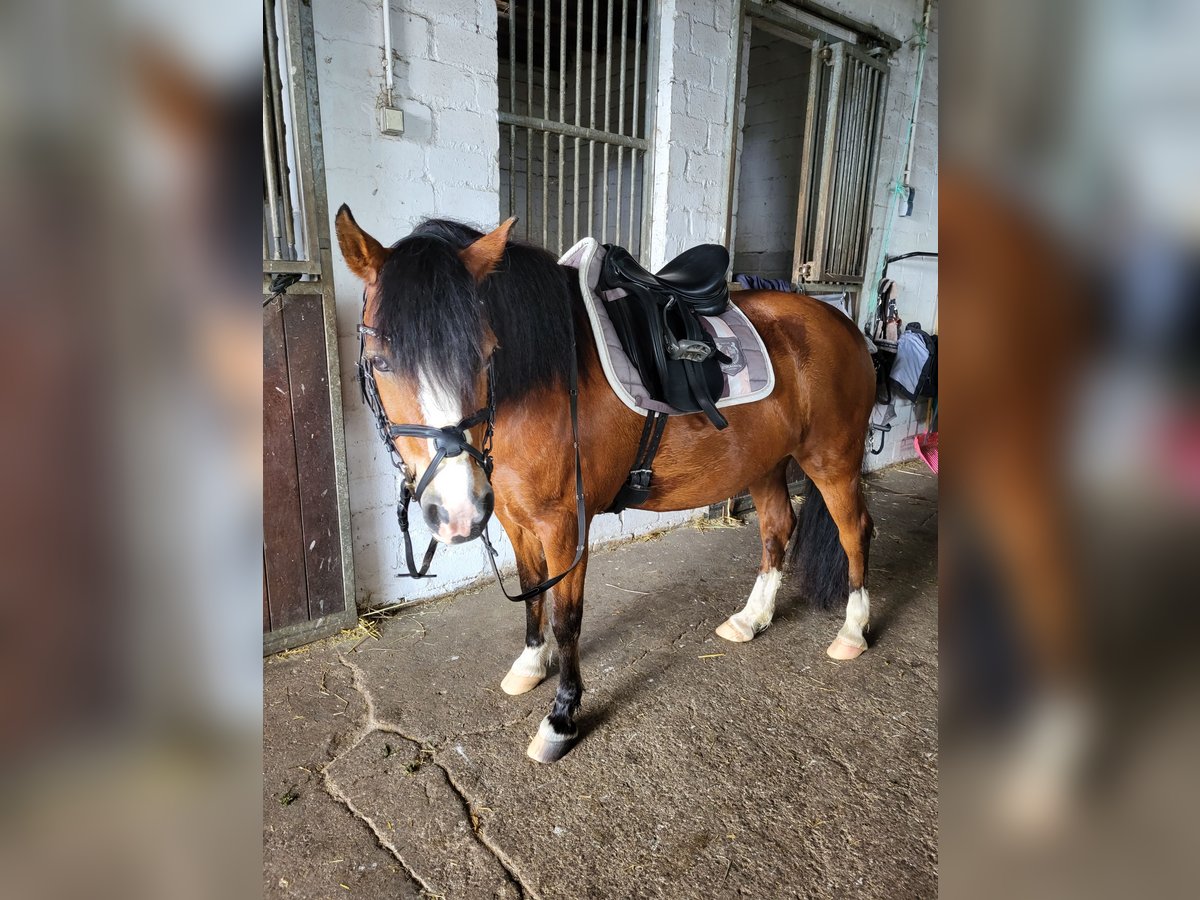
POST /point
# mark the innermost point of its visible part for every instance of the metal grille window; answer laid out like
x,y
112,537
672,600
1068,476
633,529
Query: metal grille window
x,y
575,115
811,94
845,112
289,213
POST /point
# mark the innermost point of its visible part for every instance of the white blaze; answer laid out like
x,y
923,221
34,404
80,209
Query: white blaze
x,y
454,476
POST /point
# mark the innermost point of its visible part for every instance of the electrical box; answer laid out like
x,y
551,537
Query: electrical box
x,y
391,120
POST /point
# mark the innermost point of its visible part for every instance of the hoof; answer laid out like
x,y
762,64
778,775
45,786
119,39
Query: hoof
x,y
843,649
548,745
515,683
733,630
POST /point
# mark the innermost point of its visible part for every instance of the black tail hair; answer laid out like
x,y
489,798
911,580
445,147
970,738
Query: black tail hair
x,y
816,553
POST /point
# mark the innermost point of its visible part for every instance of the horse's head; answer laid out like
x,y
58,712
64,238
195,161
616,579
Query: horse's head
x,y
427,343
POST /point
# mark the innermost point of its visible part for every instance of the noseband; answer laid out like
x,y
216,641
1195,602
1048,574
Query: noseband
x,y
450,441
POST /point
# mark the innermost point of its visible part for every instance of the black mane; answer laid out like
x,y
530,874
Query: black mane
x,y
432,312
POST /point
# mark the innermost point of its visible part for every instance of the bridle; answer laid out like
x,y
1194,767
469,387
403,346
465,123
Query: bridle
x,y
450,441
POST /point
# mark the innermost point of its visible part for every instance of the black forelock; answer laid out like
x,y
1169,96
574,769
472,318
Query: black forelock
x,y
432,312
429,313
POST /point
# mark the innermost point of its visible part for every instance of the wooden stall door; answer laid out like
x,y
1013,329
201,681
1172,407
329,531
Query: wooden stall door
x,y
303,593
308,573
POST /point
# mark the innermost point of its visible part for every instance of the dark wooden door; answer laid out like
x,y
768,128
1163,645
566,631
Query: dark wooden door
x,y
308,573
303,587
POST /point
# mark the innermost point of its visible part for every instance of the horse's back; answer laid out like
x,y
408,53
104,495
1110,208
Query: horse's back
x,y
823,345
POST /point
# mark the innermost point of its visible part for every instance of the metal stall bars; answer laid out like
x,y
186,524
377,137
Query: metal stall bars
x,y
308,574
847,90
575,117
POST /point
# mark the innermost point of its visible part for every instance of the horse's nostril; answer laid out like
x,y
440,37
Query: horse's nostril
x,y
436,515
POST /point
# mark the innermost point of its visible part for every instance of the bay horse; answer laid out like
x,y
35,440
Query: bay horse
x,y
455,320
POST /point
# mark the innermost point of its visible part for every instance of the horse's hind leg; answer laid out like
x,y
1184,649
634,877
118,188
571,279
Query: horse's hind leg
x,y
775,523
844,501
530,668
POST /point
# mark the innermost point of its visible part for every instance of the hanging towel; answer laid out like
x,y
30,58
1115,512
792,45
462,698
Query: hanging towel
x,y
911,355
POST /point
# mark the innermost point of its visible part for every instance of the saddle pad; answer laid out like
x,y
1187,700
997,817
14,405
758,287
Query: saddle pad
x,y
749,376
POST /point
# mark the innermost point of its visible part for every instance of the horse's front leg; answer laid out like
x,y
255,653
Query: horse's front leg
x,y
557,731
530,668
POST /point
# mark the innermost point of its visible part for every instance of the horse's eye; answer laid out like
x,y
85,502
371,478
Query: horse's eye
x,y
380,364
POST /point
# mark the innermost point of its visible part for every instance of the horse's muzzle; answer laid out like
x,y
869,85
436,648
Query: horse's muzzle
x,y
463,523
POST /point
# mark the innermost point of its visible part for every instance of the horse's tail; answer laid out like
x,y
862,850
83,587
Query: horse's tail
x,y
816,553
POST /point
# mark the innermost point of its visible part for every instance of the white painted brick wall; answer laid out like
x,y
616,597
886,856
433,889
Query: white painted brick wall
x,y
447,164
693,128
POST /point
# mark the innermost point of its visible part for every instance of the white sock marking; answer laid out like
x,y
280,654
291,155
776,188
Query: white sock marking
x,y
533,661
760,607
858,611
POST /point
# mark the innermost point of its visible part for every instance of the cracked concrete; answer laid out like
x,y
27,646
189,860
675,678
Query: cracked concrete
x,y
704,768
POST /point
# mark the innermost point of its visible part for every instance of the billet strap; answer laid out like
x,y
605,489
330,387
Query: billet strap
x,y
636,488
695,381
580,507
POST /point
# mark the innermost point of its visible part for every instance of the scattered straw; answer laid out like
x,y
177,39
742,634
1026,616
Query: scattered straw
x,y
385,612
722,522
363,631
648,536
710,655
627,590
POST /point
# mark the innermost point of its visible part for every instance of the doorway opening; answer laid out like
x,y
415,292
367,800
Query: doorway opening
x,y
774,117
810,113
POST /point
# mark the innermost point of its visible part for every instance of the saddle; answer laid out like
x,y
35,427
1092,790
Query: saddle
x,y
657,322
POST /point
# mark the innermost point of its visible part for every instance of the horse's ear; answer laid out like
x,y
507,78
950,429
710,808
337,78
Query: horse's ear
x,y
364,255
485,254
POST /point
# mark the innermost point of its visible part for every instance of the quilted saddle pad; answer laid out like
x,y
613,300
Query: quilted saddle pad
x,y
748,376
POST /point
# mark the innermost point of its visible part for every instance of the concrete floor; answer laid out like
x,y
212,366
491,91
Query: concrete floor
x,y
396,768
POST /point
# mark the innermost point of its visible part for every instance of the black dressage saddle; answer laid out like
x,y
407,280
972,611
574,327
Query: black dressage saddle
x,y
657,322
